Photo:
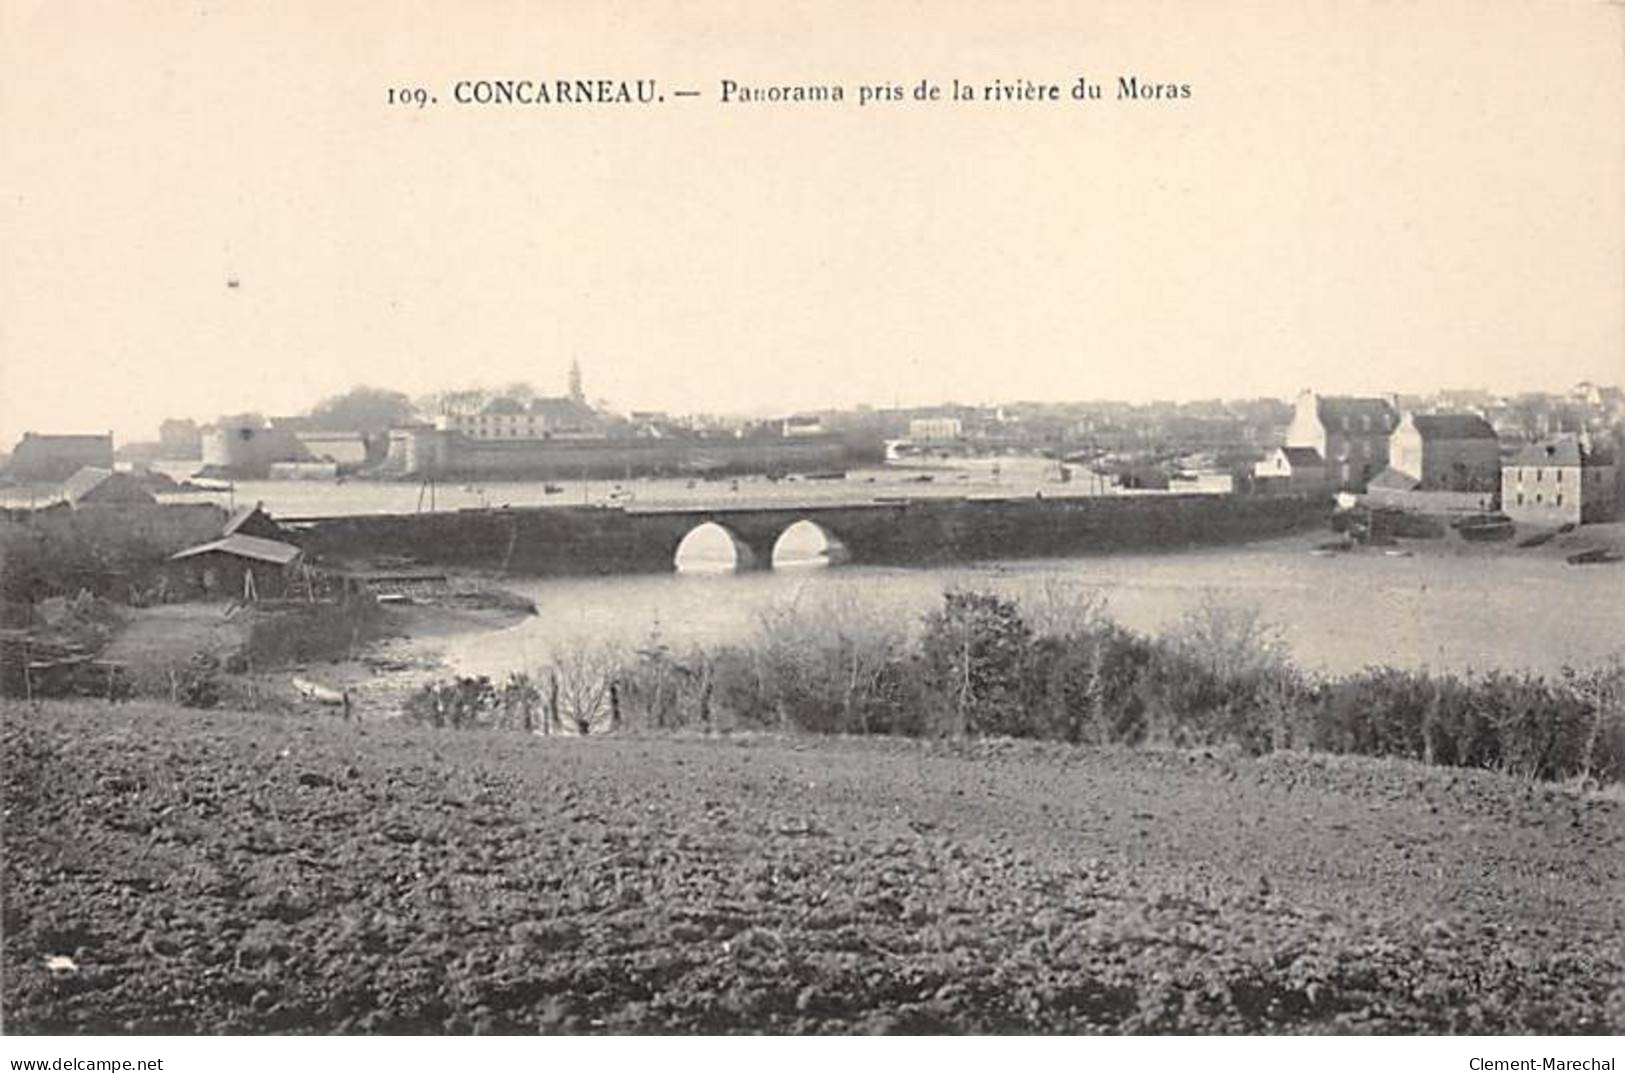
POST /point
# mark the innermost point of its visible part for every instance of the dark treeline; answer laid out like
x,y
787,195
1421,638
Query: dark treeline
x,y
1057,668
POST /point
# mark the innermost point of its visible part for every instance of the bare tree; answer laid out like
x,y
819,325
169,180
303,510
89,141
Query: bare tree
x,y
581,692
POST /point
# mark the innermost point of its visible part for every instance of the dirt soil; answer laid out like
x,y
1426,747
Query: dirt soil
x,y
172,871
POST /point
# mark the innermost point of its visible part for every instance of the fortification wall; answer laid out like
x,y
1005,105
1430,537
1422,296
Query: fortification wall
x,y
449,455
246,451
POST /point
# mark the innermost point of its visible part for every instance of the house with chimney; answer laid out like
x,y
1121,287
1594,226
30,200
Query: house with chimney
x,y
1446,452
1558,482
1351,433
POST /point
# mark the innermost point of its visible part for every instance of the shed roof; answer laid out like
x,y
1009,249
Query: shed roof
x,y
1303,456
252,521
245,547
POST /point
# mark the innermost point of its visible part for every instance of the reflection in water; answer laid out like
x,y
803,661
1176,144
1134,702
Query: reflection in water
x,y
807,544
711,549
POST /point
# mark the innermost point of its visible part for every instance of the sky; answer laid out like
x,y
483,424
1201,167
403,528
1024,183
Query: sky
x,y
211,207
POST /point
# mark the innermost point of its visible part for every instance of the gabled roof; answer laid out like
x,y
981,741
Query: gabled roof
x,y
245,547
95,482
252,521
1303,456
83,480
503,405
564,412
1453,427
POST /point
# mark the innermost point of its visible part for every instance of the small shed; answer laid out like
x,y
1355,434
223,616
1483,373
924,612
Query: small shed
x,y
237,564
95,486
1292,469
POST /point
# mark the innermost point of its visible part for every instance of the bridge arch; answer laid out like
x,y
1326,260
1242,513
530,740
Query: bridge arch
x,y
712,548
806,543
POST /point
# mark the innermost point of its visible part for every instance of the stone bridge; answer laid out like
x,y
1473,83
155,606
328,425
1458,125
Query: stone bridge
x,y
547,541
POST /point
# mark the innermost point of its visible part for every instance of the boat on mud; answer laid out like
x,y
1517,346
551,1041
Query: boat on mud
x,y
1593,556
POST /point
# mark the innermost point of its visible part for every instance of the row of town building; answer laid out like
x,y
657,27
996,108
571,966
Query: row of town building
x,y
245,447
1447,460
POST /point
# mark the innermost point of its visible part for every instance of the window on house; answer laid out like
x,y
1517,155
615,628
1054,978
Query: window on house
x,y
1560,499
1520,499
1537,473
1537,497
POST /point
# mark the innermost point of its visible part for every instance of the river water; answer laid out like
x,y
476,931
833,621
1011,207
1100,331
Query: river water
x,y
1446,607
1437,608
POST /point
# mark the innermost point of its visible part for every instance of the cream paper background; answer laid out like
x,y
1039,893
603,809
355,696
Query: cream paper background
x,y
1358,196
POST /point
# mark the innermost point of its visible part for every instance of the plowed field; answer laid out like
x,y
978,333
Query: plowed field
x,y
169,871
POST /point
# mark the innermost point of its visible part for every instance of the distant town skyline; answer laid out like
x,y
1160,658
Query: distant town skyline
x,y
138,435
1356,198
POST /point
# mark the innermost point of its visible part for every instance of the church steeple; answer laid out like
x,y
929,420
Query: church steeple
x,y
576,391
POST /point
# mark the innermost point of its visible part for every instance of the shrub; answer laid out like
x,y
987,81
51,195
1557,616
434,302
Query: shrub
x,y
974,651
1524,724
42,562
1600,743
460,703
821,666
198,686
1086,686
1218,674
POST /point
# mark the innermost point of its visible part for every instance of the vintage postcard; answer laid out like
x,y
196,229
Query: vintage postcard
x,y
937,518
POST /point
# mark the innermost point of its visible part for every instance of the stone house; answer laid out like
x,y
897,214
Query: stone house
x,y
40,457
1446,452
1351,433
1559,482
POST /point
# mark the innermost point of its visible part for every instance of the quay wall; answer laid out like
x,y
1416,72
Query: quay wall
x,y
1422,502
552,541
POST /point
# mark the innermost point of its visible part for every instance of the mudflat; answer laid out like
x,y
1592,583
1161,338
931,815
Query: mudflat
x,y
179,871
